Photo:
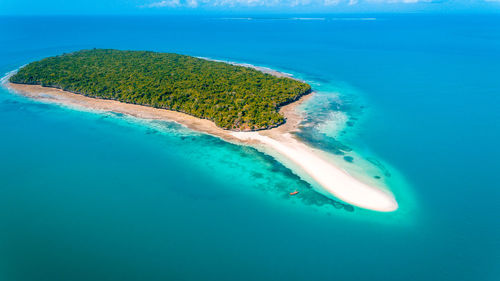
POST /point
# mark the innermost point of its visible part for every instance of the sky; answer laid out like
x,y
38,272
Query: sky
x,y
72,7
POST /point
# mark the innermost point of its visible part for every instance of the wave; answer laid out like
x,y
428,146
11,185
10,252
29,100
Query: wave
x,y
7,75
264,69
354,19
306,18
303,19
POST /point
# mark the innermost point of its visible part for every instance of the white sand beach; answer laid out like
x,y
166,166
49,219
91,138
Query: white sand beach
x,y
331,178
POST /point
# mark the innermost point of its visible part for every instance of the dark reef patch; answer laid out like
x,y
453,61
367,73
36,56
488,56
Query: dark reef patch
x,y
379,165
349,159
319,140
349,208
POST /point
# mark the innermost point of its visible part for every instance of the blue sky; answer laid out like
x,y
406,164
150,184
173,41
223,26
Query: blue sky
x,y
14,7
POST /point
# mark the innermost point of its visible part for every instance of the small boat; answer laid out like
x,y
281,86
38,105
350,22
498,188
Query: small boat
x,y
293,193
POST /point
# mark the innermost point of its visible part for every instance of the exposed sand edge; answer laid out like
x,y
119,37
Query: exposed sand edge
x,y
332,179
278,142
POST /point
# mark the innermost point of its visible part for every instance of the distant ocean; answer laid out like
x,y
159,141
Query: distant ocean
x,y
412,101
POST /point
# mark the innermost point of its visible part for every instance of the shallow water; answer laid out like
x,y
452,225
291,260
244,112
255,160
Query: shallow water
x,y
86,196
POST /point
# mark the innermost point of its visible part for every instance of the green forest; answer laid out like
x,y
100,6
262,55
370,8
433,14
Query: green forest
x,y
234,97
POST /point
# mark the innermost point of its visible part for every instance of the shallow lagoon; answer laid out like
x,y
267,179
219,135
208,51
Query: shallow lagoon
x,y
91,196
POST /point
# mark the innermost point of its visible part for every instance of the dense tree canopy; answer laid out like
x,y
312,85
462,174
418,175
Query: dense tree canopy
x,y
234,97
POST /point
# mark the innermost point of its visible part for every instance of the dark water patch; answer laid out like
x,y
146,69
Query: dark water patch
x,y
117,114
379,165
377,177
349,159
313,198
40,106
349,208
257,175
25,106
150,131
319,140
279,168
9,107
9,102
347,104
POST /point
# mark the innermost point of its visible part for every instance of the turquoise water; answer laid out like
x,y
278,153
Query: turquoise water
x,y
90,196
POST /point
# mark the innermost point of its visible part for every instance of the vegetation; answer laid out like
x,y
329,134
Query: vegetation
x,y
234,97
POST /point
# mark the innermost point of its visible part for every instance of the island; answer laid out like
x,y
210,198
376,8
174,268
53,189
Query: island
x,y
242,104
233,97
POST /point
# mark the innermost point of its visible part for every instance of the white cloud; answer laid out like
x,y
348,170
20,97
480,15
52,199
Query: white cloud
x,y
164,3
300,2
234,3
331,2
402,1
192,3
275,3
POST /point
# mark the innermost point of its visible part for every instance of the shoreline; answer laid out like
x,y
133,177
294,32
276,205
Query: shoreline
x,y
262,69
277,142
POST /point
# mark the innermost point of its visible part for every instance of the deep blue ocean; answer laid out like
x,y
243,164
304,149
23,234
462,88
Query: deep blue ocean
x,y
412,101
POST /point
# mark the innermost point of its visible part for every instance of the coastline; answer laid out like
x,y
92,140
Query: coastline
x,y
277,142
262,69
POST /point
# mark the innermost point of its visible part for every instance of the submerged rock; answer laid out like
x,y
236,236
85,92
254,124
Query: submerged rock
x,y
349,159
349,208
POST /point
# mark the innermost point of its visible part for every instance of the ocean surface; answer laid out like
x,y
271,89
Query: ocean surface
x,y
411,102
